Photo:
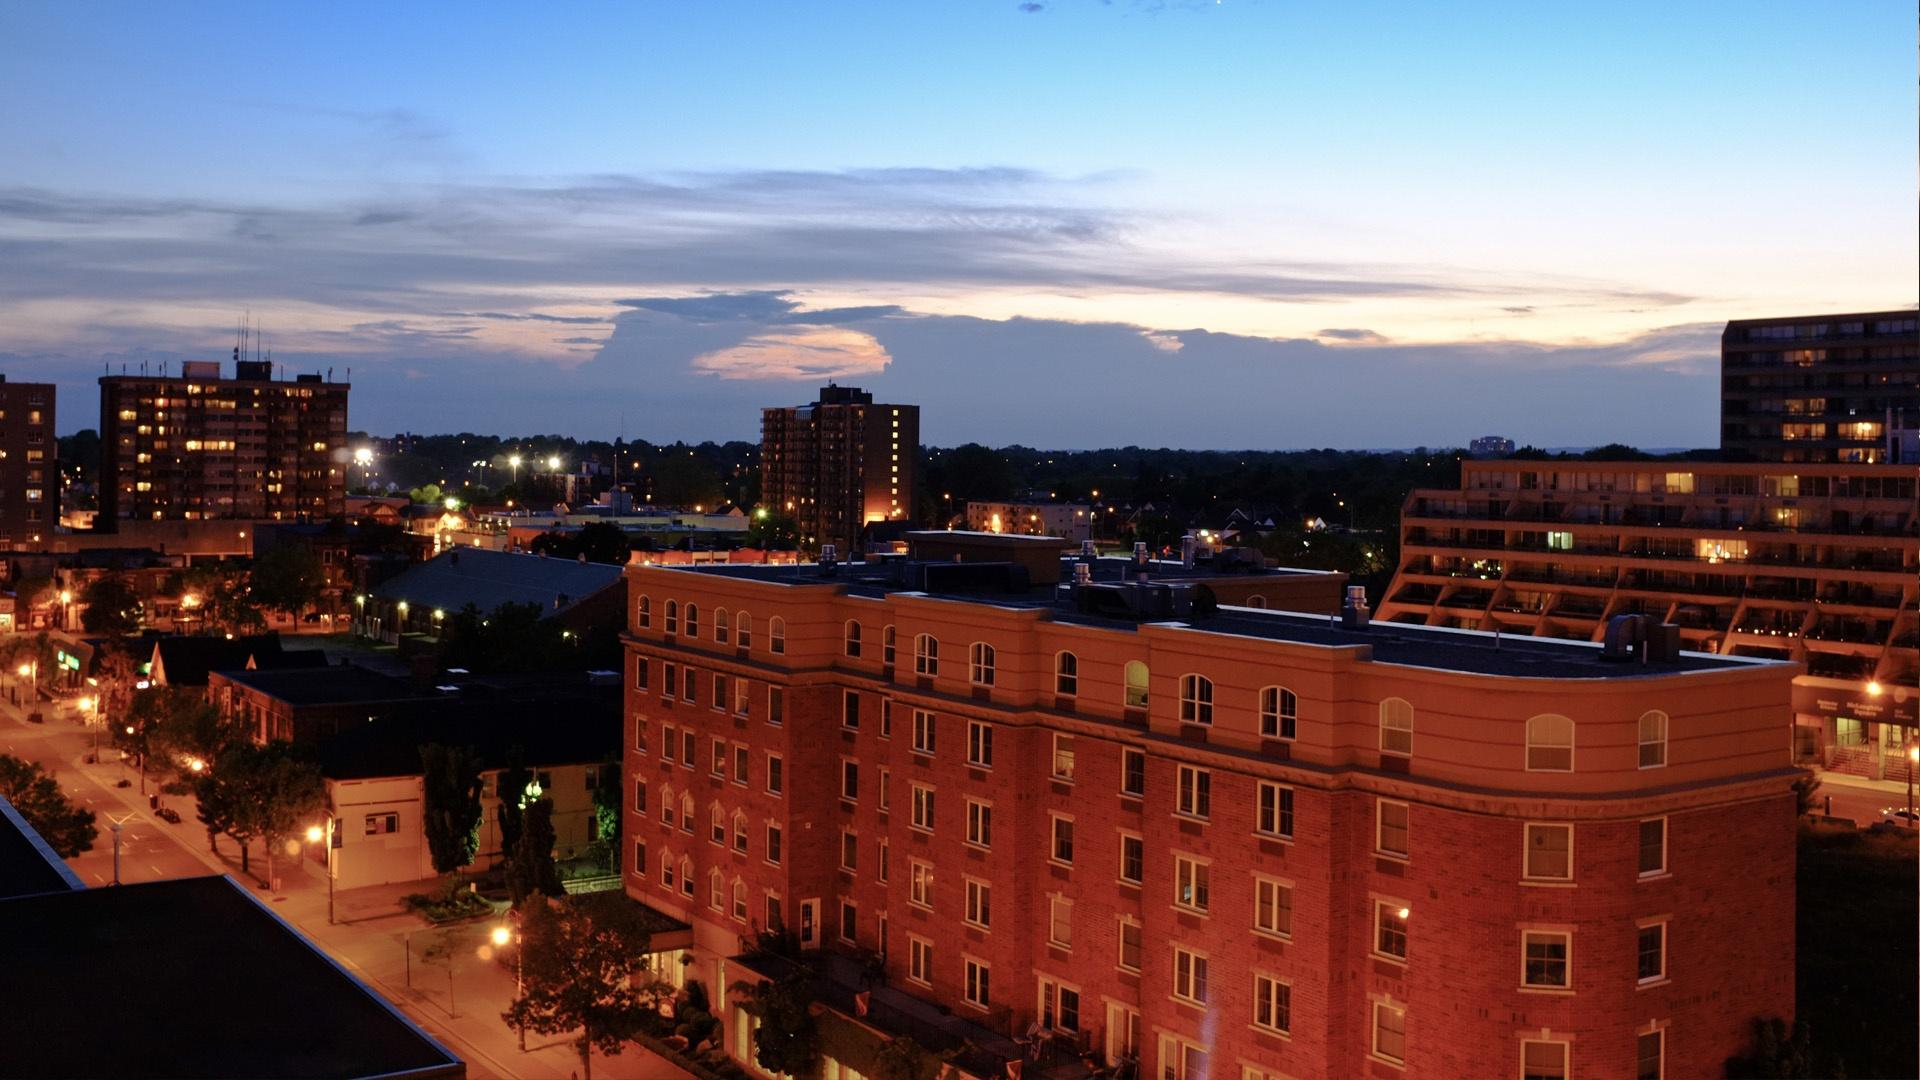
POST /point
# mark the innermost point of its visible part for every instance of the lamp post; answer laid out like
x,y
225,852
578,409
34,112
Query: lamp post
x,y
1913,759
513,462
315,834
502,935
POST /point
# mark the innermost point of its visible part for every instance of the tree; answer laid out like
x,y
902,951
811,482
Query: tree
x,y
117,670
66,828
576,958
680,478
450,796
607,815
602,542
1782,1053
511,786
217,595
770,531
288,578
426,494
272,793
530,868
789,1038
111,607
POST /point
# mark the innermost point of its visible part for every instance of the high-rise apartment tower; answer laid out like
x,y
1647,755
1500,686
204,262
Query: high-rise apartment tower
x,y
840,464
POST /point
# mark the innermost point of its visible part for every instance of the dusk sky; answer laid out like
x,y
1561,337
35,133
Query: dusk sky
x,y
1066,224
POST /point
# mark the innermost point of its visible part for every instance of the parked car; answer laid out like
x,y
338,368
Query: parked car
x,y
1901,817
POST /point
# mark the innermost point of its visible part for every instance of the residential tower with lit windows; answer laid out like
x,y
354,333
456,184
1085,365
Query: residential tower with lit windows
x,y
29,467
839,465
1100,811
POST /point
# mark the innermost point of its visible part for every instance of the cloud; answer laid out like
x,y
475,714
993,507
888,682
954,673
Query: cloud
x,y
1365,336
1032,8
1162,340
801,352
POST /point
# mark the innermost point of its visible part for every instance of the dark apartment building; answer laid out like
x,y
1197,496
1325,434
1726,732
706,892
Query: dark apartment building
x,y
840,464
29,470
1823,388
198,446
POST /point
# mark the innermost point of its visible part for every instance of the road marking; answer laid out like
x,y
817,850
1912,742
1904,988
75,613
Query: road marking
x,y
157,870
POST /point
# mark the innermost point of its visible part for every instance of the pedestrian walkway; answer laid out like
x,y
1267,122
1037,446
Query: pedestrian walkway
x,y
1829,778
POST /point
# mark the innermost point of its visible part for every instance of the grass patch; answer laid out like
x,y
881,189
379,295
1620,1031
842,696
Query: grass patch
x,y
446,909
1857,949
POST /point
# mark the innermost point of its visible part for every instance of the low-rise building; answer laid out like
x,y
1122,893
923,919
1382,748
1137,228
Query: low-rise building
x,y
1068,521
574,594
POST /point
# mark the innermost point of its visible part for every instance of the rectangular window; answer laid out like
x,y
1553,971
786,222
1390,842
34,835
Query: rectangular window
x,y
1272,1004
886,718
1650,1052
1272,907
690,687
976,989
776,774
923,808
1190,883
774,841
849,780
849,922
1546,956
776,705
886,790
885,863
979,823
1063,758
979,903
742,697
1274,816
639,859
1063,840
1181,1060
1652,965
1129,945
1133,772
850,710
920,884
686,749
640,796
670,686
1549,852
1390,929
1542,1060
717,763
720,697
979,743
849,850
1390,833
1390,1032
640,742
1653,847
1195,792
1189,976
922,732
642,672
920,961
1060,924
1133,858
742,759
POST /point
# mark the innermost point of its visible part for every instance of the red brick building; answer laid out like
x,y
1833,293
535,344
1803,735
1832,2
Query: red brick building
x,y
1236,843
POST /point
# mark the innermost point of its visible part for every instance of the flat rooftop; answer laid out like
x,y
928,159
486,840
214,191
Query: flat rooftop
x,y
1470,651
240,993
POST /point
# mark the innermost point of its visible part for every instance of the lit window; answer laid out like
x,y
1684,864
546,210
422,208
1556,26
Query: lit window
x,y
1653,739
1279,713
1549,743
1390,929
920,884
1135,678
1196,699
1396,727
1063,757
1549,852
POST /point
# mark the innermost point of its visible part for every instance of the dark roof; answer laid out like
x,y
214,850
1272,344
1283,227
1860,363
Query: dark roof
x,y
488,579
254,998
186,660
27,865
341,684
1471,651
557,728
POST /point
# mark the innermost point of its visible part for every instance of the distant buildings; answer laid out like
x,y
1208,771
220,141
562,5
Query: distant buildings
x,y
1822,388
1068,521
418,600
1242,843
839,464
29,466
1490,446
200,446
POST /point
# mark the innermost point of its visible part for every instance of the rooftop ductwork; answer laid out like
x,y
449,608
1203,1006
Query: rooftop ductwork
x,y
1138,601
1354,614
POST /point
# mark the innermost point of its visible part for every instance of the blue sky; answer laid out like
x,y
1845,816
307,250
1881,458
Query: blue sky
x,y
487,211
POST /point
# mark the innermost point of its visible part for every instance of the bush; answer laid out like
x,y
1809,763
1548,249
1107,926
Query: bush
x,y
447,907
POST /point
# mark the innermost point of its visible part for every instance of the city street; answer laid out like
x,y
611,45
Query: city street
x,y
445,980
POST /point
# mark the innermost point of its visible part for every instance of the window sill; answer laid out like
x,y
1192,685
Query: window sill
x,y
1396,961
1545,883
1058,779
1392,856
1272,1033
1181,815
975,845
1548,991
1271,935
1061,865
1661,876
1128,883
1278,838
1384,1060
1648,984
1188,1002
1182,909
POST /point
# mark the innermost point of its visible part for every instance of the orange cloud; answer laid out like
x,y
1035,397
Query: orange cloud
x,y
797,352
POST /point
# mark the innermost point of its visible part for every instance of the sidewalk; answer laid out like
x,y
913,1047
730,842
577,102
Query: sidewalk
x,y
1859,783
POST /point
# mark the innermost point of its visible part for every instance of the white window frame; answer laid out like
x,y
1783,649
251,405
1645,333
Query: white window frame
x,y
979,824
1066,674
1193,793
1277,997
1132,837
1543,752
1055,820
1063,751
925,732
976,986
1546,935
978,912
1527,832
1135,696
980,664
1279,713
1665,924
777,635
722,633
1658,743
979,744
1373,1028
1192,873
1381,909
1285,798
923,808
1055,903
1396,727
1128,753
920,884
1196,699
1193,985
1638,846
1380,829
1271,907
1566,1054
850,639
919,960
926,655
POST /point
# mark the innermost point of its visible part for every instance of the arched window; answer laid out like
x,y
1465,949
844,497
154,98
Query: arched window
x,y
1196,699
1066,674
1256,601
853,638
667,805
721,631
1550,743
643,613
740,899
743,623
1279,713
739,831
716,891
686,876
887,638
980,664
1396,726
926,655
718,826
1653,739
686,811
1134,676
777,634
693,620
673,616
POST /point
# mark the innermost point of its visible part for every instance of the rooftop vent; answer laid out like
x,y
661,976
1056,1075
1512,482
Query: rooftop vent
x,y
1354,614
829,560
1638,637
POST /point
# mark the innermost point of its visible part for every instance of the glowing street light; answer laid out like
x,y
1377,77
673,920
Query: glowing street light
x,y
553,463
513,462
315,835
501,936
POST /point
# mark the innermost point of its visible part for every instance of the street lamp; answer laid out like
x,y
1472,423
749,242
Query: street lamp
x,y
1913,759
502,935
315,834
513,462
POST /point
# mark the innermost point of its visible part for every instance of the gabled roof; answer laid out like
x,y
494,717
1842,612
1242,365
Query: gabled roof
x,y
489,579
185,661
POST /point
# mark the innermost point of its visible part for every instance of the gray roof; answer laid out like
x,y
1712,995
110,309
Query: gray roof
x,y
488,579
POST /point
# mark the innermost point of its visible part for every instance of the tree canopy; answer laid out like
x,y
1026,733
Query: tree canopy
x,y
599,541
450,796
111,607
288,578
66,828
577,954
